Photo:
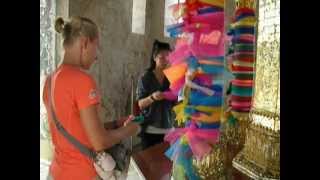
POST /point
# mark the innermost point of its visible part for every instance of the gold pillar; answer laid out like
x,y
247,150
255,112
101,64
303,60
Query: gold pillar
x,y
260,157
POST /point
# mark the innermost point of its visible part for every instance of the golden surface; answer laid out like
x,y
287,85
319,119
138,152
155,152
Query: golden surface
x,y
267,80
218,163
265,118
212,166
246,4
260,156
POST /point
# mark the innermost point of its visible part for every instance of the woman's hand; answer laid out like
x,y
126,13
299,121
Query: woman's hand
x,y
122,121
135,128
157,95
128,120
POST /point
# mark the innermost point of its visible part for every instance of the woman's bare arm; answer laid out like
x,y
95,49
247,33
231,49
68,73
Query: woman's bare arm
x,y
99,137
145,102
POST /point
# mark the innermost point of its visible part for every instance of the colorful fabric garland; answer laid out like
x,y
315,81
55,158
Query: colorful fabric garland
x,y
196,76
242,32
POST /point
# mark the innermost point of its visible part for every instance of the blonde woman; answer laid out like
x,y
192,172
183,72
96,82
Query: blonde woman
x,y
75,98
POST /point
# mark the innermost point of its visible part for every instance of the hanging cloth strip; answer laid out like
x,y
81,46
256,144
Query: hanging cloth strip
x,y
243,30
247,38
243,47
198,98
240,109
177,85
244,15
241,91
190,109
181,154
218,3
240,98
235,83
242,76
240,11
202,125
242,68
179,55
202,117
209,9
175,73
241,63
241,104
199,140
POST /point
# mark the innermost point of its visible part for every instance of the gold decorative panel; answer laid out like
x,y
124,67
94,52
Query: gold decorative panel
x,y
267,80
245,4
212,166
260,158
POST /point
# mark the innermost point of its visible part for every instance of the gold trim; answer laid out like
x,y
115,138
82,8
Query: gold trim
x,y
270,120
268,114
251,170
241,116
246,4
260,156
212,166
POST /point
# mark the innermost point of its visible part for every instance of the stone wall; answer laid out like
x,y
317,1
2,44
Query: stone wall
x,y
123,54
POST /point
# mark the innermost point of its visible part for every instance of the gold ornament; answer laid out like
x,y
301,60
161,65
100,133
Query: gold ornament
x,y
260,157
212,166
246,4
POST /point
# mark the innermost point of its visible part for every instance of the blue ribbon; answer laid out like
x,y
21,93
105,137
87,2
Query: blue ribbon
x,y
183,154
199,98
243,30
209,10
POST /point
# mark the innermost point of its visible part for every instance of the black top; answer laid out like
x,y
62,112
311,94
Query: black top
x,y
159,113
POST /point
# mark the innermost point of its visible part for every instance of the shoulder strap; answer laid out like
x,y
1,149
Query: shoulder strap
x,y
82,148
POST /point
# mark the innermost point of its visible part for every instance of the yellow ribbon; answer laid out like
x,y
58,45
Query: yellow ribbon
x,y
219,3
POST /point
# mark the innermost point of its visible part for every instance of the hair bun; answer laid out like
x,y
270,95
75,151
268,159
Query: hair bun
x,y
59,24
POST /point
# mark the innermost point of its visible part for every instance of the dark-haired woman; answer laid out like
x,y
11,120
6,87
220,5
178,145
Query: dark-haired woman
x,y
155,109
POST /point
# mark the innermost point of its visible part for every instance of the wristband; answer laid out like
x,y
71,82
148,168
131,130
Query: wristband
x,y
152,98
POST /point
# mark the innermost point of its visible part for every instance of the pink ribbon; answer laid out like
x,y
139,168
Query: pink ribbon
x,y
179,55
243,53
169,95
216,20
237,83
205,50
247,37
241,104
200,140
